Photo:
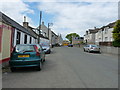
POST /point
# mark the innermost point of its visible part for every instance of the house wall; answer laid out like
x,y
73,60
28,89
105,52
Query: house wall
x,y
107,33
1,41
104,36
90,38
22,36
50,37
54,39
98,37
44,29
5,42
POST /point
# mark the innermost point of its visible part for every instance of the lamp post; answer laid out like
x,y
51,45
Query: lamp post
x,y
49,24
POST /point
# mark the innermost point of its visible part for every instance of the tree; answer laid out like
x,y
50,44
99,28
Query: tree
x,y
116,34
72,35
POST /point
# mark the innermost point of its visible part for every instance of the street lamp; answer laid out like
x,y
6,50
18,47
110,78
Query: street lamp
x,y
49,24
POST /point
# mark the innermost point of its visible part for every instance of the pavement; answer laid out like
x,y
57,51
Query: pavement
x,y
67,67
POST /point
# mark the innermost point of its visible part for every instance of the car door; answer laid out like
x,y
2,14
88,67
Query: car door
x,y
87,47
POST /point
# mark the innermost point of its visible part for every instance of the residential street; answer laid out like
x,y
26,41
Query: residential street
x,y
68,67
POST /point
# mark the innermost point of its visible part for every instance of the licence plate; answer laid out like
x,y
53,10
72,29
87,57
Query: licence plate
x,y
23,56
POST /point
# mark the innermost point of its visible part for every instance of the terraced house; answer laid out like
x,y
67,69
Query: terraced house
x,y
12,33
99,35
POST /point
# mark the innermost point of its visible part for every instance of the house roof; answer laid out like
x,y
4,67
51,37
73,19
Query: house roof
x,y
54,33
14,24
94,30
111,24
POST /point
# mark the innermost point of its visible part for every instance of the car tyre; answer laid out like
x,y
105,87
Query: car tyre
x,y
99,52
49,52
44,60
89,51
12,69
39,68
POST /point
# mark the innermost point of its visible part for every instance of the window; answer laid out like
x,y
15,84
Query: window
x,y
18,38
99,39
25,39
24,48
106,30
106,38
30,40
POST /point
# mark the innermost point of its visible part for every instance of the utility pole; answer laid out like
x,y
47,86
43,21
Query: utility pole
x,y
119,10
48,29
39,27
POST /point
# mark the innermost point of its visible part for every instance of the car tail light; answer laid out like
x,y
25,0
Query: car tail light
x,y
37,51
37,54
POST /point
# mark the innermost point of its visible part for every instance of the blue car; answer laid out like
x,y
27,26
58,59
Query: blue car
x,y
27,55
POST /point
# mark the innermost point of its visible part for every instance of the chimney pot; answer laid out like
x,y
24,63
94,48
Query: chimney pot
x,y
42,23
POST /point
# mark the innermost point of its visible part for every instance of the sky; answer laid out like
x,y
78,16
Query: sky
x,y
67,16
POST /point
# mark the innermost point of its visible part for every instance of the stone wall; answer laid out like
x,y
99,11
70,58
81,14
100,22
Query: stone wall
x,y
110,50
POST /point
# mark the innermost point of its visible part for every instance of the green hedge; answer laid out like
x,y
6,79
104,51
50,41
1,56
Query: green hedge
x,y
116,43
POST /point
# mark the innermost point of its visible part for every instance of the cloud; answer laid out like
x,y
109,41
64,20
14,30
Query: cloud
x,y
71,0
69,15
15,9
78,17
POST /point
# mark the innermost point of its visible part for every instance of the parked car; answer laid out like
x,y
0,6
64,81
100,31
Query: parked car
x,y
70,45
46,48
27,55
92,48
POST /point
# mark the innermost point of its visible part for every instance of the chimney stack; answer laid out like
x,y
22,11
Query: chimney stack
x,y
94,27
25,24
43,23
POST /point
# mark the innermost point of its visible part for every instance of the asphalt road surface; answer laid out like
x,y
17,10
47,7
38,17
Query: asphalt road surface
x,y
67,67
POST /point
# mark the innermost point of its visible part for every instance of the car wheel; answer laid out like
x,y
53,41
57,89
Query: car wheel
x,y
12,69
49,52
44,60
99,52
89,51
39,68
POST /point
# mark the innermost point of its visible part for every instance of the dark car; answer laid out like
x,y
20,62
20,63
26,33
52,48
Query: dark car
x,y
27,55
70,45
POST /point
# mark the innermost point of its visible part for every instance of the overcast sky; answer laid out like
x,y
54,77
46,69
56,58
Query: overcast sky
x,y
67,16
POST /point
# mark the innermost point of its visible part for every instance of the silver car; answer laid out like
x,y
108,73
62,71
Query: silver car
x,y
46,48
92,48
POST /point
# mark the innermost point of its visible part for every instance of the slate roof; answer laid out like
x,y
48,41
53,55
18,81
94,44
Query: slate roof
x,y
9,21
94,30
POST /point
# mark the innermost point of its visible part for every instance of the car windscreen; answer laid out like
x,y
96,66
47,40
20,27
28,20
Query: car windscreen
x,y
24,48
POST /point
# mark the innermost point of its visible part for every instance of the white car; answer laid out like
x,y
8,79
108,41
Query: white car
x,y
92,48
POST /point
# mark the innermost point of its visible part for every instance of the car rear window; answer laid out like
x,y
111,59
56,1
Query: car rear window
x,y
24,48
94,46
44,44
